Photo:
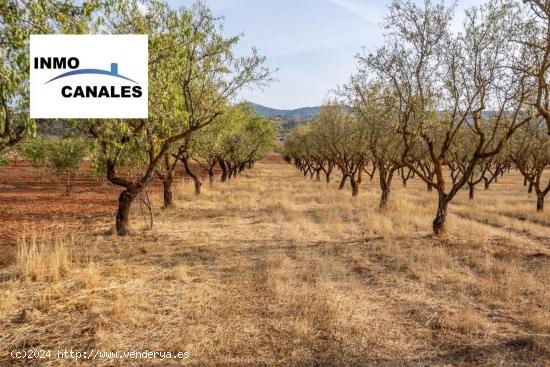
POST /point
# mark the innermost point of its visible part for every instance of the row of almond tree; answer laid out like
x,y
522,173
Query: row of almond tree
x,y
194,78
451,108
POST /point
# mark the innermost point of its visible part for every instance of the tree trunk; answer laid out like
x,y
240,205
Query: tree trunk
x,y
540,202
68,185
438,224
471,187
224,170
198,185
385,177
167,192
384,198
194,176
317,177
342,182
327,177
125,200
486,183
211,176
530,187
354,186
525,181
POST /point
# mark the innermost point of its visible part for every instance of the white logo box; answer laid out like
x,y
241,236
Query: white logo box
x,y
117,62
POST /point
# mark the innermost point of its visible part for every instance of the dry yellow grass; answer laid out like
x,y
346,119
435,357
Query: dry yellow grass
x,y
44,257
273,269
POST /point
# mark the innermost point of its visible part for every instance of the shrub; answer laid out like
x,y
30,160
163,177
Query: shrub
x,y
65,157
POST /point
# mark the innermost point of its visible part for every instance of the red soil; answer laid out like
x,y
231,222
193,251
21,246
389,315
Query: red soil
x,y
27,201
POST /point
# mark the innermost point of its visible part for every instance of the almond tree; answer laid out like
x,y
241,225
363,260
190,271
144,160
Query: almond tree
x,y
458,161
64,157
495,167
297,149
531,29
530,153
304,146
18,20
341,137
335,138
373,104
445,82
207,143
253,138
192,74
208,75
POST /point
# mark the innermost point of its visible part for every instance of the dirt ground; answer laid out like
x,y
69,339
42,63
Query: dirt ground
x,y
30,197
274,269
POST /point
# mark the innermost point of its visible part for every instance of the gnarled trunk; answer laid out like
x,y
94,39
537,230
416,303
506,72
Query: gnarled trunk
x,y
125,200
224,170
471,191
194,176
385,177
383,187
167,192
384,198
540,201
211,176
438,224
342,182
354,186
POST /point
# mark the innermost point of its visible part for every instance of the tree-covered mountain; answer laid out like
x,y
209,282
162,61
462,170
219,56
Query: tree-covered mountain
x,y
287,119
303,112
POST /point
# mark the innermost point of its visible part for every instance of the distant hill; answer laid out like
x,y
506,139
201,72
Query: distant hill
x,y
303,112
287,119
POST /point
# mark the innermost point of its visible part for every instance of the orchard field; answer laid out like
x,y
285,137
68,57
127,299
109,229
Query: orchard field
x,y
272,268
402,222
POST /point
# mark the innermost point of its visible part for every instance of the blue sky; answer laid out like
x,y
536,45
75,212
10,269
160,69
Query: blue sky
x,y
311,42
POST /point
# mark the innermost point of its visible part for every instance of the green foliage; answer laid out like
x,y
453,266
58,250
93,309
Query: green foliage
x,y
18,20
249,138
34,151
64,156
336,134
192,75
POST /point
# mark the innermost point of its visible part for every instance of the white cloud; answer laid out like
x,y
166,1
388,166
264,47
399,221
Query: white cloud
x,y
358,9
